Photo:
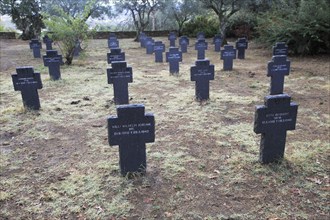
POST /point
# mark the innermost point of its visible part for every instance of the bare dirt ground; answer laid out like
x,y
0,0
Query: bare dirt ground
x,y
56,163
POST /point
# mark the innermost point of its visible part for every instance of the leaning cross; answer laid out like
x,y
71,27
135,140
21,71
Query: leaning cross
x,y
120,75
277,69
131,130
28,82
272,120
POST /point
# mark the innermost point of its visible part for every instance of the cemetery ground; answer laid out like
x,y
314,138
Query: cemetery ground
x,y
56,163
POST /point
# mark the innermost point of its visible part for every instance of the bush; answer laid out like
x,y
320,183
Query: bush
x,y
306,29
242,23
208,25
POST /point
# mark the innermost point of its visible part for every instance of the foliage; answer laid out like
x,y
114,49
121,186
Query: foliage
x,y
241,23
305,28
68,30
25,15
140,10
208,25
76,7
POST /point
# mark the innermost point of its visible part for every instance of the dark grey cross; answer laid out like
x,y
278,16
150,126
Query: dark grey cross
x,y
28,82
77,48
173,57
35,45
149,43
202,73
48,42
131,130
120,75
53,61
142,38
200,35
112,36
113,43
217,41
278,68
159,49
201,46
115,55
272,120
280,49
172,39
184,42
228,54
241,46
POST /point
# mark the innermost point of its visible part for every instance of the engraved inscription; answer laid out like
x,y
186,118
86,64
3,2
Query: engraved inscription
x,y
275,118
203,72
26,81
131,129
120,74
279,67
228,54
174,56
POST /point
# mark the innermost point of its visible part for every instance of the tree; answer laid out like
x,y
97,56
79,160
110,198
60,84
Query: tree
x,y
140,11
224,9
74,8
25,15
67,30
183,11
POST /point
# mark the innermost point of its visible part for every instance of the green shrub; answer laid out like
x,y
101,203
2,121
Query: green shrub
x,y
208,25
242,23
306,29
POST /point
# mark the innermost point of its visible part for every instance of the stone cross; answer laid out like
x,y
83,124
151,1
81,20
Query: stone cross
x,y
201,46
280,49
53,61
200,35
28,82
202,73
228,54
149,43
184,42
113,43
115,55
272,120
159,49
77,49
131,130
48,42
241,46
217,40
173,57
142,38
120,75
35,45
172,39
278,68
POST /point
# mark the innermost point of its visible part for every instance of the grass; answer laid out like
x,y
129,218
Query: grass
x,y
57,163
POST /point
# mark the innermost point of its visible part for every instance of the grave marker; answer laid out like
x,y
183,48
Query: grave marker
x,y
28,82
35,45
172,39
120,75
53,61
48,42
200,35
142,38
241,46
280,49
278,68
159,49
217,40
228,54
202,73
173,57
149,43
77,49
201,46
272,120
115,55
113,42
184,42
131,130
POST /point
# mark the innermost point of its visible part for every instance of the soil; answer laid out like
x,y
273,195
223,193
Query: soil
x,y
56,163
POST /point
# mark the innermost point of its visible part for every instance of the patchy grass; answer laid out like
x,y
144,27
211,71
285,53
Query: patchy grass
x,y
56,163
